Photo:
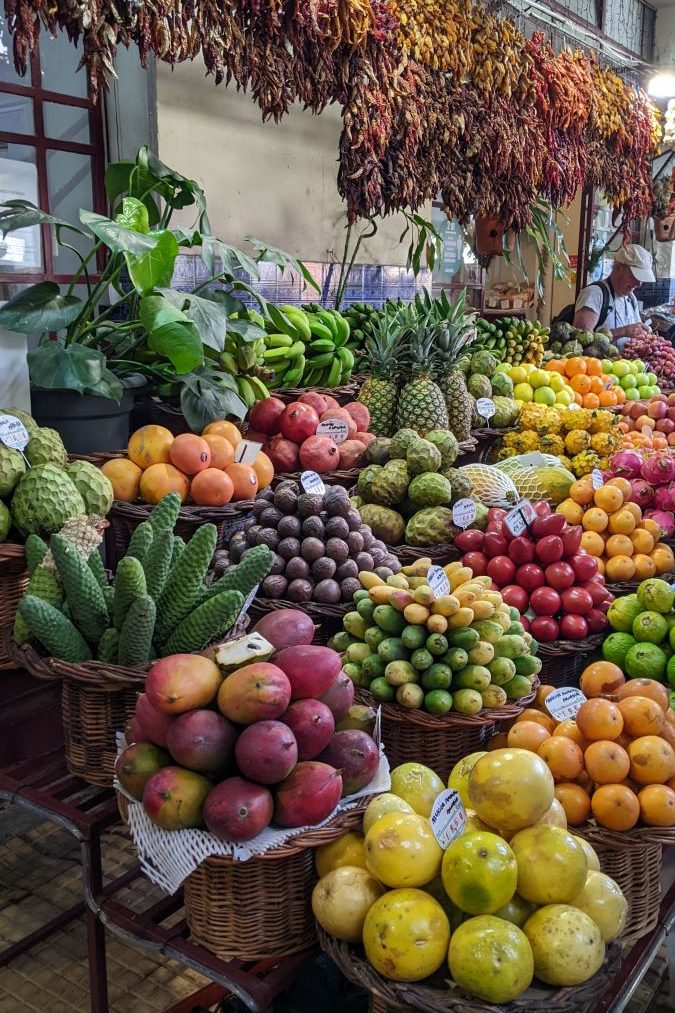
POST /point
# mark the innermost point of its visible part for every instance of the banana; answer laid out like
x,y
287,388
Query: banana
x,y
275,354
294,373
283,324
319,329
259,388
278,341
327,318
246,357
346,357
319,361
299,319
333,378
321,345
296,349
229,363
342,328
246,391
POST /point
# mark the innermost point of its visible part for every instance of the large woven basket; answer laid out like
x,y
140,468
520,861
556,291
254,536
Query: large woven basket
x,y
438,741
563,661
346,477
13,583
438,554
343,395
261,908
434,996
124,518
633,859
623,587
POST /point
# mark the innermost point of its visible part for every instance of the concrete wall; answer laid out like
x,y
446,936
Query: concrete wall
x,y
275,182
664,49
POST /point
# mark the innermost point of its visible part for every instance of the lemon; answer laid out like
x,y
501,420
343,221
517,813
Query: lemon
x,y
558,382
347,850
622,367
523,392
380,806
518,374
406,935
459,775
544,395
401,850
418,785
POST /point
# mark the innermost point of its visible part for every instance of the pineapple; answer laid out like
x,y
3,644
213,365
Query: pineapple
x,y
421,405
380,391
453,331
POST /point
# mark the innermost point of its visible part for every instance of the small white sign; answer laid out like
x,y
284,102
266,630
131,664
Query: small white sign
x,y
485,407
246,451
311,482
518,519
448,817
596,478
563,704
247,601
438,581
337,429
13,433
532,460
464,513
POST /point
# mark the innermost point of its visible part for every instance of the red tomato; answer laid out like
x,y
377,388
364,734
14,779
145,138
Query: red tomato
x,y
545,601
577,601
476,561
559,575
495,545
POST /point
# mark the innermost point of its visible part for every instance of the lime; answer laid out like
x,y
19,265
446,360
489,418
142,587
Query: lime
x,y
381,690
670,671
437,676
653,378
621,367
545,395
645,661
650,627
438,701
629,381
616,646
540,378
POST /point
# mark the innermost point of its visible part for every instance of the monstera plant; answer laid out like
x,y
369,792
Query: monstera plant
x,y
119,322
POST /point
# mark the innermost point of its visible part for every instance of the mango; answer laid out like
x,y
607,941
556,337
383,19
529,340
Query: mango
x,y
381,594
437,624
446,605
369,580
410,696
482,610
397,673
467,701
417,614
463,617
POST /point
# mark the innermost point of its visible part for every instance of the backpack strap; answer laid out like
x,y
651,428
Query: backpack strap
x,y
604,309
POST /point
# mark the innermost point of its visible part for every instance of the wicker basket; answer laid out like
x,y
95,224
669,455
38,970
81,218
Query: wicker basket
x,y
346,477
327,618
438,741
563,661
124,518
633,859
434,996
13,583
438,554
343,395
261,908
622,587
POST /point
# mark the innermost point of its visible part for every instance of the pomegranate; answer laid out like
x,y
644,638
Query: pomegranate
x,y
283,454
299,421
265,415
320,454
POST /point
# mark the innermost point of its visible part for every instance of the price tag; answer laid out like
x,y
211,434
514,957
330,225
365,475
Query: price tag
x,y
485,407
464,513
574,407
518,519
13,433
246,451
563,704
247,601
311,482
438,581
337,429
596,478
532,460
448,817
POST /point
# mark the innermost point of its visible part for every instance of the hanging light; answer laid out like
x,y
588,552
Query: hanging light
x,y
662,85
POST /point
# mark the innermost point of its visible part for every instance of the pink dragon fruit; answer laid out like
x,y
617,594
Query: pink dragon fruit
x,y
642,492
626,464
664,497
665,520
658,469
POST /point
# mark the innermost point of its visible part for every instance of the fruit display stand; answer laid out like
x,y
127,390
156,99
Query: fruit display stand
x,y
13,583
402,997
564,660
438,554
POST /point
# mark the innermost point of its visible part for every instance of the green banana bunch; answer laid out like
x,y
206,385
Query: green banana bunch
x,y
307,347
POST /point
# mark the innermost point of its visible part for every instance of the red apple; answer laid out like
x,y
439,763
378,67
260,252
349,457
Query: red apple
x,y
525,623
577,601
530,576
545,601
544,628
496,514
541,508
559,575
597,591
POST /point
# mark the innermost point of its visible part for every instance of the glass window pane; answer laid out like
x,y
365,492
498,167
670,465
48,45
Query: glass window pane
x,y
20,250
16,114
58,63
67,123
69,183
7,72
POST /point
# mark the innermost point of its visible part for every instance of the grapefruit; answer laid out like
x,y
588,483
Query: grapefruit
x,y
566,945
342,899
459,775
347,850
510,788
380,806
406,935
401,850
418,785
491,958
552,865
479,873
602,899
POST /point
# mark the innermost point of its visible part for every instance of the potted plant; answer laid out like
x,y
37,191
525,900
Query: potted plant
x,y
130,329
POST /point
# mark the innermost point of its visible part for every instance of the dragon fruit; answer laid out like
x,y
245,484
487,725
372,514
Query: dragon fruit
x,y
626,464
664,497
665,520
658,469
642,492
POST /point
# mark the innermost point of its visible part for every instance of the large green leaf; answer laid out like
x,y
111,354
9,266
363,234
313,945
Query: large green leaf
x,y
115,236
187,237
271,255
134,215
207,396
21,214
171,333
54,366
209,317
153,269
230,257
184,192
127,178
40,309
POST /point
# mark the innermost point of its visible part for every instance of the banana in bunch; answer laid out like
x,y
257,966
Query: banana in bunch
x,y
307,349
243,357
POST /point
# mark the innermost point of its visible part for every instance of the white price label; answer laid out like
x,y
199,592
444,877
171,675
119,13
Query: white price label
x,y
311,482
596,478
13,433
247,601
246,451
563,704
337,429
532,460
437,580
464,513
448,817
518,519
485,407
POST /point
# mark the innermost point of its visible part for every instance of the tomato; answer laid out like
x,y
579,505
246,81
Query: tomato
x,y
577,601
545,601
501,569
549,549
516,596
545,629
551,525
559,575
573,627
530,576
494,545
584,565
521,550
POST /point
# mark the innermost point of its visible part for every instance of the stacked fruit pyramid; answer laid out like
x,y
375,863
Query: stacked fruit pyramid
x,y
582,439
642,642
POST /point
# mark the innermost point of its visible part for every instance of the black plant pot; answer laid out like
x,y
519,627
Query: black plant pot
x,y
86,423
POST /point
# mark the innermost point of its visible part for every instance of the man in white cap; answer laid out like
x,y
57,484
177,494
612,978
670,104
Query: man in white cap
x,y
611,303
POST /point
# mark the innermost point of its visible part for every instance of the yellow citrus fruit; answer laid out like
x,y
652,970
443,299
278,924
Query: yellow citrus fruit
x,y
418,785
591,854
342,899
383,804
491,959
459,775
347,850
517,911
150,445
552,865
566,944
510,788
602,899
125,478
479,872
406,935
401,850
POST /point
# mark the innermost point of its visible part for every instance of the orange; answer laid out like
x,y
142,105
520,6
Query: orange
x,y
222,451
578,398
571,511
606,762
264,469
190,454
595,519
527,735
212,487
650,525
597,386
593,366
531,714
620,394
590,401
150,445
575,801
244,480
125,478
160,479
652,760
659,442
582,491
623,484
615,806
657,805
542,693
634,509
621,522
556,366
585,781
581,383
226,429
607,398
650,688
618,545
575,365
609,498
569,730
642,540
601,678
601,567
599,719
663,558
644,566
592,543
619,567
641,716
563,757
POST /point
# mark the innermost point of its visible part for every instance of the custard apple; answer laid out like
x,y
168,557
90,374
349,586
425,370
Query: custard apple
x,y
431,526
377,450
502,384
390,484
461,486
44,500
386,524
12,467
506,412
366,478
423,455
446,443
46,447
479,386
400,442
5,522
430,489
28,420
93,486
483,362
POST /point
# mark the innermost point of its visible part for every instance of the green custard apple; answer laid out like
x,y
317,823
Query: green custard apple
x,y
46,447
12,468
44,500
93,486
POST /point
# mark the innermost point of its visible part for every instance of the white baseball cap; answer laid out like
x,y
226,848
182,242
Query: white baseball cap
x,y
638,260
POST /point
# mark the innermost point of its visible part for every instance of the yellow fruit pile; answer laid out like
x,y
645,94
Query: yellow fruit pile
x,y
514,879
583,439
